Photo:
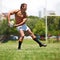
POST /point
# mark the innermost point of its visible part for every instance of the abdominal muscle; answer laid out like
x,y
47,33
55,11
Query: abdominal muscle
x,y
18,19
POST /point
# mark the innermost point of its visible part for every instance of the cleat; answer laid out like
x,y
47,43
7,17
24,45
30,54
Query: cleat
x,y
43,45
19,48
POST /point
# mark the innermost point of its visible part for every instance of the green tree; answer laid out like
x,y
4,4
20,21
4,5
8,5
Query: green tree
x,y
32,20
6,31
39,27
54,25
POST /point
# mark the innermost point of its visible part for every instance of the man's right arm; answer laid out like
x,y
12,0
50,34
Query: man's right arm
x,y
9,17
11,13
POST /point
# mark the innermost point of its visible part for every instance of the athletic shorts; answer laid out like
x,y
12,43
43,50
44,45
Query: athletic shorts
x,y
23,27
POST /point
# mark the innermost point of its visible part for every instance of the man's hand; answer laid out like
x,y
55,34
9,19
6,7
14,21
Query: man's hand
x,y
16,25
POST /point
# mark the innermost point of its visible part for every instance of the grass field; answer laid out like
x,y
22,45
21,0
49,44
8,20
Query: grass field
x,y
30,51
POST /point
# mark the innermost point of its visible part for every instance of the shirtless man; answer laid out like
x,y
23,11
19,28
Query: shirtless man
x,y
21,18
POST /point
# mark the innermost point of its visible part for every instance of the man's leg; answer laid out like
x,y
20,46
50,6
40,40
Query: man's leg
x,y
21,38
36,39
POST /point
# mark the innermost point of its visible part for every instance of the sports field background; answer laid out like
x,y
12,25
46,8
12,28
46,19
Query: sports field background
x,y
30,51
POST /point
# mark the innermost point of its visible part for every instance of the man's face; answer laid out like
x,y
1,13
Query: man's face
x,y
24,7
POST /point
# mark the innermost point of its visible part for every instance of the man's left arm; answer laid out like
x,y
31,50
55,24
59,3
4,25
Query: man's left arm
x,y
23,22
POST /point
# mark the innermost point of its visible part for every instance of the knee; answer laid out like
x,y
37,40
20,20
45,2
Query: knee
x,y
22,36
31,33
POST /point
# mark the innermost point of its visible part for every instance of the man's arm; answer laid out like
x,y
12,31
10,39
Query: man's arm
x,y
23,22
11,13
8,17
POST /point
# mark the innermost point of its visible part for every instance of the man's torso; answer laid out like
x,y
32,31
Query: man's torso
x,y
19,16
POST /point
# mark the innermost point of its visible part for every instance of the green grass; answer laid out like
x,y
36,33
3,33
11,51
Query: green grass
x,y
30,51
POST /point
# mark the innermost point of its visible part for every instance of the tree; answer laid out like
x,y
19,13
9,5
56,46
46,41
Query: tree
x,y
6,31
32,20
54,25
39,27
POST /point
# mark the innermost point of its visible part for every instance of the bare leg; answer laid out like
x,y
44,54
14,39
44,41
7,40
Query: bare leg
x,y
35,38
31,34
21,38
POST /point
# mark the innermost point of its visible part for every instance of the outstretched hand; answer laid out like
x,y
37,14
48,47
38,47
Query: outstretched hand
x,y
15,25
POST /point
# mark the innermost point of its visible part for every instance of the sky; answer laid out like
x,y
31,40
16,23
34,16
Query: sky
x,y
34,6
54,5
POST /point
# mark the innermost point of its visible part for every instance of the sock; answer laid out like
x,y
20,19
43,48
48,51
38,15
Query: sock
x,y
37,40
19,45
40,43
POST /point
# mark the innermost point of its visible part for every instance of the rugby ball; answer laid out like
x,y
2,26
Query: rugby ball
x,y
11,23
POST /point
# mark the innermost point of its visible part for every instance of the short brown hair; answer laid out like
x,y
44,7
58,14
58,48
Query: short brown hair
x,y
22,5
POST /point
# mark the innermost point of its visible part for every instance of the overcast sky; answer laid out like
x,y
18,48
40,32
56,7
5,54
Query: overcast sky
x,y
34,6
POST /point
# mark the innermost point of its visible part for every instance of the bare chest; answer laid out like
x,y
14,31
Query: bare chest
x,y
20,15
